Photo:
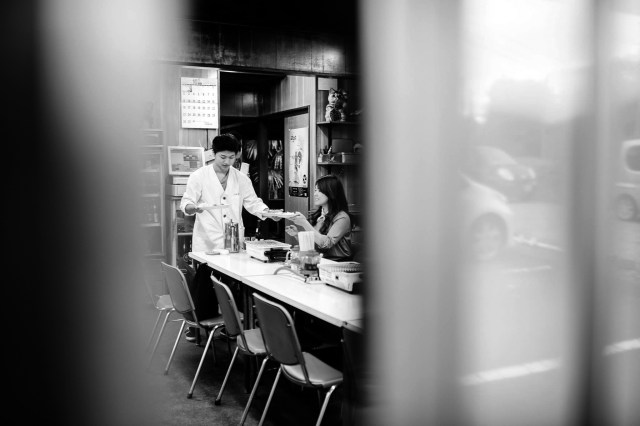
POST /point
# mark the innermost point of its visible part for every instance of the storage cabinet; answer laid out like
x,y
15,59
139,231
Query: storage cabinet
x,y
151,157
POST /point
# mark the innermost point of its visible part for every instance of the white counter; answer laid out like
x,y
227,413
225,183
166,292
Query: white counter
x,y
236,265
320,300
328,303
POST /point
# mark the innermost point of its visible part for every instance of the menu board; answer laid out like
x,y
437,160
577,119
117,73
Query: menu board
x,y
199,103
299,162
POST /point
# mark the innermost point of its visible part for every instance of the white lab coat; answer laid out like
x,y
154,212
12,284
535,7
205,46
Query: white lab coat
x,y
203,186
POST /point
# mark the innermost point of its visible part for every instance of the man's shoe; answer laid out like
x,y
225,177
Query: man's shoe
x,y
190,334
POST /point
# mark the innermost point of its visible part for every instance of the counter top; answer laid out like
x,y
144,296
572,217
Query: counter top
x,y
330,304
236,265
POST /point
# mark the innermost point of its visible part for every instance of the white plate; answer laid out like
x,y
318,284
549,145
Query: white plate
x,y
278,214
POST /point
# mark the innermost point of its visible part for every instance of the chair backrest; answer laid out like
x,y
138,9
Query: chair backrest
x,y
279,333
229,309
179,291
153,288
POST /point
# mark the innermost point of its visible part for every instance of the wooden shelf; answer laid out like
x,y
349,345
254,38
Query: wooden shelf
x,y
339,123
335,163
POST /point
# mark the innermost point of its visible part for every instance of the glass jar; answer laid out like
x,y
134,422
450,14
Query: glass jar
x,y
309,260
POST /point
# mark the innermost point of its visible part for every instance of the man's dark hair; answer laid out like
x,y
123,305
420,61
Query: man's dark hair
x,y
225,142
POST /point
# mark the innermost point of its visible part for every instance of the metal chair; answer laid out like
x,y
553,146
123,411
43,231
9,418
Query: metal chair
x,y
301,368
163,304
183,304
249,342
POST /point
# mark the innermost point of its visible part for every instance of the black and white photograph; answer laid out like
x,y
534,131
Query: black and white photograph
x,y
349,213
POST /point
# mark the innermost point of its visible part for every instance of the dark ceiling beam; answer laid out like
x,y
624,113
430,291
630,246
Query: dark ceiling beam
x,y
264,49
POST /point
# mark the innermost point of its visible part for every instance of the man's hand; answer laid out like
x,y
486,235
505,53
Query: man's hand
x,y
192,209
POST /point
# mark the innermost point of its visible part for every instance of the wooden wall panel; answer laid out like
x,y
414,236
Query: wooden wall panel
x,y
293,91
263,49
250,104
171,105
234,46
229,104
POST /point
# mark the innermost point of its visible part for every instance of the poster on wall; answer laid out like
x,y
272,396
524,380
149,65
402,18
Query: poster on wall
x,y
299,162
199,103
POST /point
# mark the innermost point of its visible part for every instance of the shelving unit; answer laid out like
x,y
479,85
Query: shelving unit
x,y
345,166
151,156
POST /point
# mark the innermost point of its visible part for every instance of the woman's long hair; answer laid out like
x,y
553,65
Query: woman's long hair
x,y
330,186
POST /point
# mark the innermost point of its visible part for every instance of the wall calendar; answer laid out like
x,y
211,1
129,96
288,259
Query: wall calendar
x,y
199,107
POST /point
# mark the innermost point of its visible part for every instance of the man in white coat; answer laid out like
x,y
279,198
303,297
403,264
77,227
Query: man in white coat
x,y
216,193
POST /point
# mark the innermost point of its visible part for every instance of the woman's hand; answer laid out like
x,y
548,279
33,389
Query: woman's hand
x,y
291,230
300,220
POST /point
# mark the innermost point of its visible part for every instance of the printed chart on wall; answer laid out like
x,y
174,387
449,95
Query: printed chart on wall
x,y
199,103
299,162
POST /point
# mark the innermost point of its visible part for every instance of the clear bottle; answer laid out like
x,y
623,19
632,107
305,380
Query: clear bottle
x,y
155,213
258,235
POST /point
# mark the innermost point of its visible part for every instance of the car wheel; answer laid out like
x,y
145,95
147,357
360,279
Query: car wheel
x,y
626,208
488,235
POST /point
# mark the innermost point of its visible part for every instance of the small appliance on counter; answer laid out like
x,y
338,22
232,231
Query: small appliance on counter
x,y
267,250
308,264
304,264
342,275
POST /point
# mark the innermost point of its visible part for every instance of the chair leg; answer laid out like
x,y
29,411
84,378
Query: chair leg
x,y
253,391
324,406
204,355
224,382
213,346
175,345
155,347
273,389
153,331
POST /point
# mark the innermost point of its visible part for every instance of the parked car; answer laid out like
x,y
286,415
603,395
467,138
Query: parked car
x,y
496,168
627,187
487,220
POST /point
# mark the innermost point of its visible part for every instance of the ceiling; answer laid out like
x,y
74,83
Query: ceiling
x,y
327,16
248,79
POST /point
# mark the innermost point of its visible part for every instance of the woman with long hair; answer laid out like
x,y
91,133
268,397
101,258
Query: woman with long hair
x,y
330,222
